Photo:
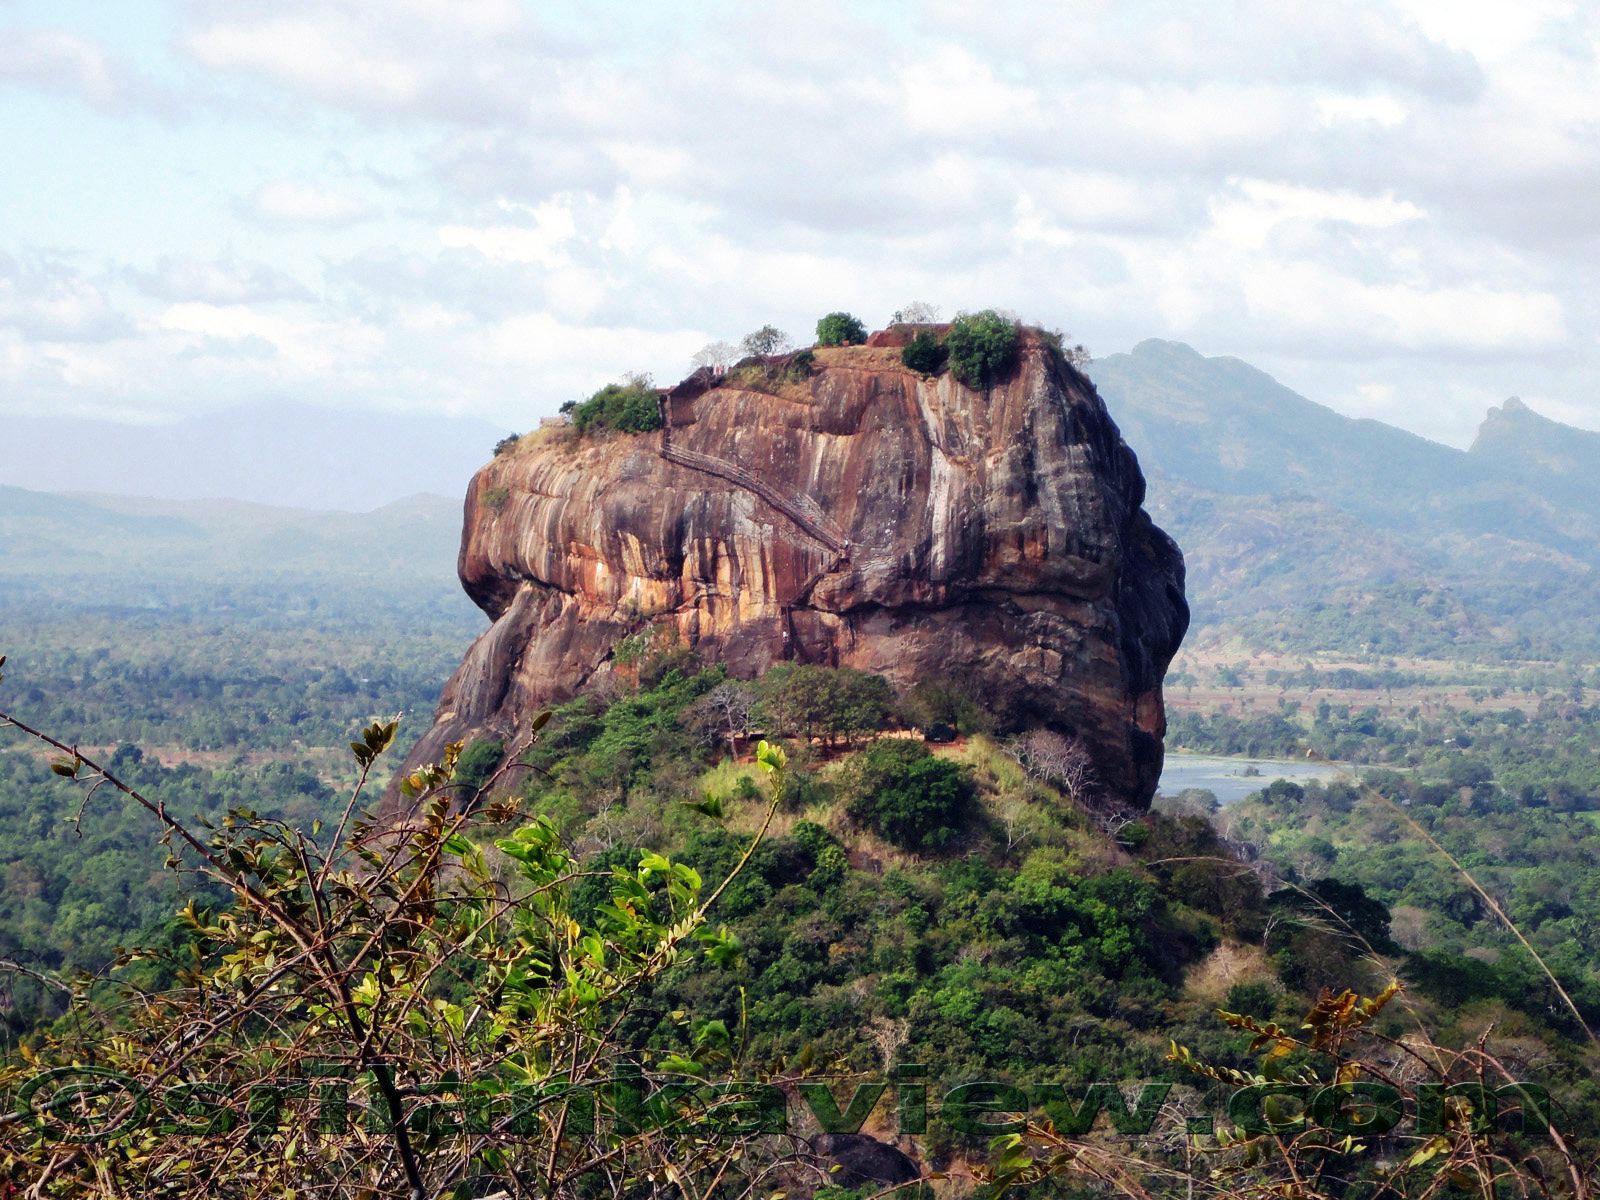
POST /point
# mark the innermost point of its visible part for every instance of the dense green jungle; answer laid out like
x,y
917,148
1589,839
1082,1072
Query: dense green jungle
x,y
950,904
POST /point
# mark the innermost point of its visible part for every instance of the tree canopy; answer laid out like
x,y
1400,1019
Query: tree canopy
x,y
629,407
840,329
901,792
982,347
832,703
766,341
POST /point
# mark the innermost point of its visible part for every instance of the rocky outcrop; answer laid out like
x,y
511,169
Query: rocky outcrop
x,y
868,517
858,1160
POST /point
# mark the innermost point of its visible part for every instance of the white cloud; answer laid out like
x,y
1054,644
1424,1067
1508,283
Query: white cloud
x,y
180,277
1487,29
477,18
50,301
576,359
1307,301
309,347
1248,213
552,226
1381,109
564,196
421,60
953,93
305,52
59,60
288,203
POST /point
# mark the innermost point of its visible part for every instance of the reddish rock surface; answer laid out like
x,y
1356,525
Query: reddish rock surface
x,y
997,538
900,335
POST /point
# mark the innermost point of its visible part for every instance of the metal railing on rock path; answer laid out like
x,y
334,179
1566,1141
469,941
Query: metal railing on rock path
x,y
801,509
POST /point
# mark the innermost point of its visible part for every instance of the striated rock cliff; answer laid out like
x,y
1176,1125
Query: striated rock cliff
x,y
868,517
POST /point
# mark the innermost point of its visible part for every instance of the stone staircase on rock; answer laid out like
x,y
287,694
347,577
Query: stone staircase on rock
x,y
801,509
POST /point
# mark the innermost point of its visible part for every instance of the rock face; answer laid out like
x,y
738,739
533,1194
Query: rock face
x,y
867,517
864,1161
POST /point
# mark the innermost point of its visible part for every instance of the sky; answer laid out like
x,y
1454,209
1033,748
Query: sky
x,y
486,208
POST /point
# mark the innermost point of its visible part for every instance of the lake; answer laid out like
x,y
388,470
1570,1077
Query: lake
x,y
1226,776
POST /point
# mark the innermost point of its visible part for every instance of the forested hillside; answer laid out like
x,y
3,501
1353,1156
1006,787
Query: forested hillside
x,y
962,910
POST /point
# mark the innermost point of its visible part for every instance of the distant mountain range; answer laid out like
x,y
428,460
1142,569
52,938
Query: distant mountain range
x,y
45,533
116,554
290,455
1315,529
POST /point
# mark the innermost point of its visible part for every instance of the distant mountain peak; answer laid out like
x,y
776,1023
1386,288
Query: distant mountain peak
x,y
1560,461
1514,419
1165,348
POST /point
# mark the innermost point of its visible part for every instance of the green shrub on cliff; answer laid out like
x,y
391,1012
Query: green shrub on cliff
x,y
924,354
840,329
630,407
799,367
982,347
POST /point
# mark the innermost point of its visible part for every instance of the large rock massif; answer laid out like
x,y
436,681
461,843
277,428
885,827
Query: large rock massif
x,y
996,538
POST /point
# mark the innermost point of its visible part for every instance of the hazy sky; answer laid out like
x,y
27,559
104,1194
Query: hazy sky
x,y
489,207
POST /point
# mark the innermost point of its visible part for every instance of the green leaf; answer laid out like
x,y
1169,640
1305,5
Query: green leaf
x,y
713,1033
377,736
770,757
687,875
723,948
711,806
1432,1149
679,1065
651,863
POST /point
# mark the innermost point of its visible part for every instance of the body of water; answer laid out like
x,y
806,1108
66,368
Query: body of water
x,y
1226,776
